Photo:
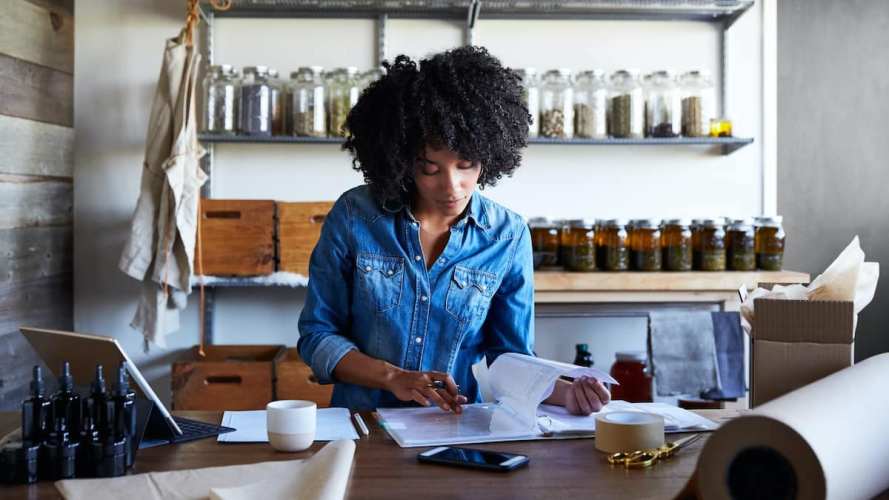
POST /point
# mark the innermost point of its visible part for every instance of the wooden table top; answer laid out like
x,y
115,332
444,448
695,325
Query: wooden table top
x,y
562,468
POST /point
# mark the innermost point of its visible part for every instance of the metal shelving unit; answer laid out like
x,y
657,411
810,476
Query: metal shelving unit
x,y
723,13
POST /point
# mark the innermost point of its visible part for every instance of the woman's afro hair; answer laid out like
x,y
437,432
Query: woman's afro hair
x,y
463,100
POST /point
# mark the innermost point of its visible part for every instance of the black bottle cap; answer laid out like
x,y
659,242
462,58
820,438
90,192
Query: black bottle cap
x,y
66,381
123,383
582,347
98,386
38,388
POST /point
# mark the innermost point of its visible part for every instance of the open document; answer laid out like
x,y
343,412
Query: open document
x,y
519,384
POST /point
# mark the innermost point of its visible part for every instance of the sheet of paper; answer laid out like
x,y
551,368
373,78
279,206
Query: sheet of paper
x,y
479,422
333,424
557,418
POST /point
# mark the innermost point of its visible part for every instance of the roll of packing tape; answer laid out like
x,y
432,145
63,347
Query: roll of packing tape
x,y
626,431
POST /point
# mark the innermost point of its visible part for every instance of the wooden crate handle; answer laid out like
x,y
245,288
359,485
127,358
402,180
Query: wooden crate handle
x,y
222,214
223,379
317,218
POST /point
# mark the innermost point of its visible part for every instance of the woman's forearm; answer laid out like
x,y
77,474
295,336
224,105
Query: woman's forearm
x,y
360,369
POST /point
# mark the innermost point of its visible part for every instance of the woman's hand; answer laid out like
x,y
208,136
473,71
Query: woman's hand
x,y
586,395
417,386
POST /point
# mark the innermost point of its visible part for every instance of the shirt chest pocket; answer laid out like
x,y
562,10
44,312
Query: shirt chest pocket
x,y
469,293
381,279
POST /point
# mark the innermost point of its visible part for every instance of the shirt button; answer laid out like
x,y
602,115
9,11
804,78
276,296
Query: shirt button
x,y
483,288
419,340
418,258
367,268
391,272
424,298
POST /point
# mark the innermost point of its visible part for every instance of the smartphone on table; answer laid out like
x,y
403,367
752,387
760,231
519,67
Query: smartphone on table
x,y
472,458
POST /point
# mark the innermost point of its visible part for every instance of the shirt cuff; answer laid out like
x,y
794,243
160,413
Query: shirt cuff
x,y
327,355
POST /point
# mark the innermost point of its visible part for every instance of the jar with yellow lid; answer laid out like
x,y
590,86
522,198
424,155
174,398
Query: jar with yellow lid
x,y
769,243
676,245
740,252
581,252
545,240
645,245
712,245
611,248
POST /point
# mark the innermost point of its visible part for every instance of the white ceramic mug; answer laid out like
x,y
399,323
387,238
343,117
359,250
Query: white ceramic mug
x,y
291,424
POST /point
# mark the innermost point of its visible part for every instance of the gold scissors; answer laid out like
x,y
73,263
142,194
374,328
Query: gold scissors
x,y
641,459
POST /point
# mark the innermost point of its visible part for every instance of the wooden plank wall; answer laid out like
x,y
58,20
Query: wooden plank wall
x,y
36,180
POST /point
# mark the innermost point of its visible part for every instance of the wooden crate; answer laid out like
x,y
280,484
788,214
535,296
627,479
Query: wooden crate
x,y
237,237
296,381
299,227
229,377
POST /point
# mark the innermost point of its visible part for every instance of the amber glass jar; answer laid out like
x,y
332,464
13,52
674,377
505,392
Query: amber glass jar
x,y
770,239
581,253
740,254
645,245
712,245
564,239
629,369
611,250
544,242
676,245
696,243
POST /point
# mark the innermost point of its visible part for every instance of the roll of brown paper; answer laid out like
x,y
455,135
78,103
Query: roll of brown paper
x,y
626,431
828,440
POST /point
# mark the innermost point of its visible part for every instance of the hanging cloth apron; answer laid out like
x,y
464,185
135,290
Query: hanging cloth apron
x,y
160,249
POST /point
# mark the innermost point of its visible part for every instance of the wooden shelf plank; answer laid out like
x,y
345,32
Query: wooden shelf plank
x,y
556,281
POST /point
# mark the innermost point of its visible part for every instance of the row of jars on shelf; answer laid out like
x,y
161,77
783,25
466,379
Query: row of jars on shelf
x,y
256,102
624,105
715,244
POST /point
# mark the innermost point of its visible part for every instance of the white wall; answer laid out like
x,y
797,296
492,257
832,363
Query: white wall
x,y
118,53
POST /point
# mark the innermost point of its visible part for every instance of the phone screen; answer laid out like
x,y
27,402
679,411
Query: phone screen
x,y
472,457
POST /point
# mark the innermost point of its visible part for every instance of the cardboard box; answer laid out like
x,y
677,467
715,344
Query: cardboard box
x,y
796,342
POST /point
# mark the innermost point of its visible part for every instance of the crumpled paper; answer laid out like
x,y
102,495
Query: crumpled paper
x,y
848,278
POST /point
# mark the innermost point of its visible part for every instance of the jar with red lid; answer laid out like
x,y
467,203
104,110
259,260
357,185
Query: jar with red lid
x,y
629,369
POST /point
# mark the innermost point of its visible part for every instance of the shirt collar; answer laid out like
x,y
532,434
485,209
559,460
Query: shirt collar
x,y
475,213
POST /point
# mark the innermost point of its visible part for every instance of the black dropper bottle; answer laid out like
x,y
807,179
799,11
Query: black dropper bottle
x,y
97,403
36,411
124,411
58,458
89,437
66,402
583,356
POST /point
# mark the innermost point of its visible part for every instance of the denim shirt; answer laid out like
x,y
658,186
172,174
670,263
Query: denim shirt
x,y
369,289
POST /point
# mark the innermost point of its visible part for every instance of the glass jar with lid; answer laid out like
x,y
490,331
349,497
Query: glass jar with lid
x,y
770,240
698,103
634,379
255,105
663,108
307,113
626,105
611,248
221,100
711,242
581,253
557,105
676,245
342,94
368,77
531,97
279,100
545,240
564,239
645,245
590,103
740,251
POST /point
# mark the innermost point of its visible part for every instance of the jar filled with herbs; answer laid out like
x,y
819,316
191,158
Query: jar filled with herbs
x,y
740,251
676,245
531,97
581,253
645,245
626,105
342,94
221,100
307,113
711,235
663,108
611,248
770,240
698,103
590,102
279,101
557,105
545,240
564,226
255,106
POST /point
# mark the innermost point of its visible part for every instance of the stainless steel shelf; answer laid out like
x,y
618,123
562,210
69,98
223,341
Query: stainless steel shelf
x,y
728,144
725,11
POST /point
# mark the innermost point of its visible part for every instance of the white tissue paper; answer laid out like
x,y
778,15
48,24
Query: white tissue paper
x,y
848,278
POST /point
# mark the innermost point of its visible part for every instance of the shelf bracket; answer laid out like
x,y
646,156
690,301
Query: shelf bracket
x,y
382,21
471,18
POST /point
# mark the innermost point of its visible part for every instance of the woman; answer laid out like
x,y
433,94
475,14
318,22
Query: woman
x,y
416,276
